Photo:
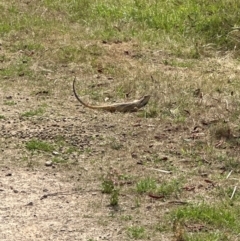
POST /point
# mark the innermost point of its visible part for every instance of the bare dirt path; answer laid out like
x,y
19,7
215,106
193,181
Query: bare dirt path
x,y
64,201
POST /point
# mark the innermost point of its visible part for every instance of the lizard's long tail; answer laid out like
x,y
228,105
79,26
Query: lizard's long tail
x,y
75,93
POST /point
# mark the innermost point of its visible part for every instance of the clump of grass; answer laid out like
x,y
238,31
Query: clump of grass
x,y
108,187
200,236
10,102
136,232
215,215
126,217
2,117
37,145
16,69
58,160
115,144
208,21
114,197
150,113
220,131
229,163
169,188
31,113
146,185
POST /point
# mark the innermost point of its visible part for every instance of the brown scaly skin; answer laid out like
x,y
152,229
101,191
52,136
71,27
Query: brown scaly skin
x,y
117,107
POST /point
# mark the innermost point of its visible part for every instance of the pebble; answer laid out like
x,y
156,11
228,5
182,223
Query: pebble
x,y
48,163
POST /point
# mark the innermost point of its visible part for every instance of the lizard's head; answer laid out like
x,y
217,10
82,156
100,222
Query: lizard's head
x,y
145,99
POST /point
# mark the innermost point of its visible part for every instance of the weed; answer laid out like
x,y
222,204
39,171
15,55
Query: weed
x,y
31,113
137,202
71,149
126,217
168,188
229,163
146,185
115,144
58,160
216,216
221,131
29,160
10,102
114,197
150,113
2,117
17,69
209,236
37,145
136,232
107,186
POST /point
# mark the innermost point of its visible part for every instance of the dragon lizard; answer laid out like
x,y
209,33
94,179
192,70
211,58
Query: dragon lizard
x,y
116,107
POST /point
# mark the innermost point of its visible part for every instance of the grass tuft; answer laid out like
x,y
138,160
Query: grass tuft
x,y
31,113
37,145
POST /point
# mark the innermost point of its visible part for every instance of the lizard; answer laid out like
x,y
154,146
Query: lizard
x,y
132,106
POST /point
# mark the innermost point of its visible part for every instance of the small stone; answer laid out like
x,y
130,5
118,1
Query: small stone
x,y
55,153
48,163
29,204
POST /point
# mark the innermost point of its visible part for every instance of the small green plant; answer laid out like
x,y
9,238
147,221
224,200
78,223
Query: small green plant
x,y
29,161
31,113
71,149
38,145
126,217
220,131
58,160
150,113
107,186
114,197
17,68
168,188
2,117
136,232
229,163
146,185
115,145
9,102
217,216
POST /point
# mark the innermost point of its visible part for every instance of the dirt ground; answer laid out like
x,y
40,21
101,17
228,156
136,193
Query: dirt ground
x,y
64,201
57,194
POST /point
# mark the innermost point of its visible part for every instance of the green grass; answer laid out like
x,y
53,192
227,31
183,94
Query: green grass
x,y
188,22
136,232
107,186
206,236
165,188
114,199
115,144
37,145
9,102
146,185
58,160
208,21
168,188
31,113
215,216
